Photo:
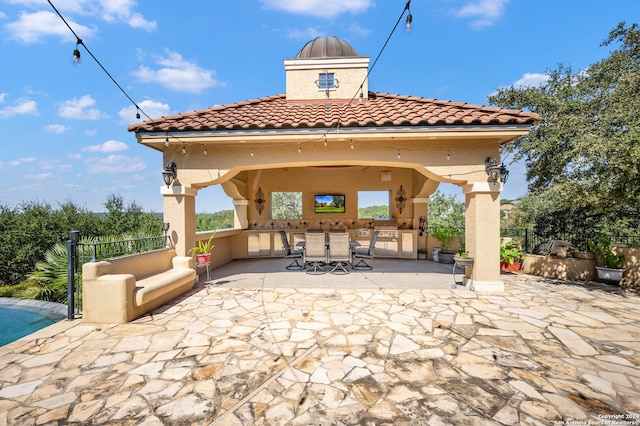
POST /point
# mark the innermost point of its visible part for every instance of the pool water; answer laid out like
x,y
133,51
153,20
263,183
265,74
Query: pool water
x,y
17,320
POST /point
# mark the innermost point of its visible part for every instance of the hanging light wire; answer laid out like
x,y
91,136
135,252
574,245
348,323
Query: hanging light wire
x,y
139,110
76,54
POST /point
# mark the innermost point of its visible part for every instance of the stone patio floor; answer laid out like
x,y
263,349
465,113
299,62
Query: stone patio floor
x,y
265,352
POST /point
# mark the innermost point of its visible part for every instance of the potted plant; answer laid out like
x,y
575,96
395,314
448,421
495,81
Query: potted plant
x,y
445,236
613,263
510,256
463,258
202,251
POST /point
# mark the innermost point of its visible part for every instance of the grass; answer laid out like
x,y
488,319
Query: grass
x,y
329,209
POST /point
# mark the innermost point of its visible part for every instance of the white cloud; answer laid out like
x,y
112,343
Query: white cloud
x,y
22,107
40,176
54,164
2,96
21,161
531,79
2,15
321,8
121,10
108,146
482,12
357,29
108,10
80,109
115,164
308,33
178,74
152,108
56,128
32,27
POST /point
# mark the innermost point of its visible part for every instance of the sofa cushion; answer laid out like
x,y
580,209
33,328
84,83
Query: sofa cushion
x,y
154,286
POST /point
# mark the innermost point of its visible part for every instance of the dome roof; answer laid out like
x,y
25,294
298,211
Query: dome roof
x,y
326,47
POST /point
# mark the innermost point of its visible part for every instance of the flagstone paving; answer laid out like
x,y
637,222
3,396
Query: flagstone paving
x,y
542,352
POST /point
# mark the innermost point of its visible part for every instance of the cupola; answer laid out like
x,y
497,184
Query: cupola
x,y
326,68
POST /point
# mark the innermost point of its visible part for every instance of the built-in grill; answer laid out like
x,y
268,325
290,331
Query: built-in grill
x,y
387,232
387,229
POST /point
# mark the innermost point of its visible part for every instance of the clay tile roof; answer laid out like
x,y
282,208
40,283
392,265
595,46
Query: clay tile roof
x,y
380,110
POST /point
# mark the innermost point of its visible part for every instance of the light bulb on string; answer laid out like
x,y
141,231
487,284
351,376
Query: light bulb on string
x,y
184,149
76,52
299,148
137,113
350,144
409,20
166,139
205,150
325,140
407,28
251,151
448,154
398,153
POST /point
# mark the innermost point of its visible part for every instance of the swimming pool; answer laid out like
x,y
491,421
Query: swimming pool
x,y
19,318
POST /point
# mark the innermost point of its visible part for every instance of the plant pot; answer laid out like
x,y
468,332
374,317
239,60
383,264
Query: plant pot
x,y
514,267
463,261
446,258
609,274
203,258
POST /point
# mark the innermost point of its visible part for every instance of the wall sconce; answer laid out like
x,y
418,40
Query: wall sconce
x,y
496,171
504,173
169,173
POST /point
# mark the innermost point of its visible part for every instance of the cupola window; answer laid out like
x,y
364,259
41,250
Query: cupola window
x,y
327,81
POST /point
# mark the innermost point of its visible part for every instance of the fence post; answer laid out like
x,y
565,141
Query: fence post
x,y
72,262
526,240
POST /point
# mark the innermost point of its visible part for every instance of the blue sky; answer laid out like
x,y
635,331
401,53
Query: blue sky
x,y
63,126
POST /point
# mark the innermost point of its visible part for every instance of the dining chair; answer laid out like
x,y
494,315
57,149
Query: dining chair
x,y
289,253
339,252
366,253
314,253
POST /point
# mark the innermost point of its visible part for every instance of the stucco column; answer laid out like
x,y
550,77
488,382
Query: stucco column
x,y
240,215
180,212
482,234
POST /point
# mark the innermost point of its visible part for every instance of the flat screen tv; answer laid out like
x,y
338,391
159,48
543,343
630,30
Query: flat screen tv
x,y
329,203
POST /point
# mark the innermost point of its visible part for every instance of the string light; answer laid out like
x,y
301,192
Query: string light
x,y
139,111
166,139
184,149
76,52
251,151
409,21
205,150
398,153
350,144
448,154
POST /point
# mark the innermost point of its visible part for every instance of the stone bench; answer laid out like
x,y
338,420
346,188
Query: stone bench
x,y
119,290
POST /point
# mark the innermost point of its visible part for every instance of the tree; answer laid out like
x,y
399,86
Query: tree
x,y
582,157
120,219
222,219
286,205
445,211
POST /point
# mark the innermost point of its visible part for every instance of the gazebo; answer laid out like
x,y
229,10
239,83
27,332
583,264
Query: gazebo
x,y
330,135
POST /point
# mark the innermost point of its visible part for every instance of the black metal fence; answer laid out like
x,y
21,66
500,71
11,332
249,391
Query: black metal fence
x,y
79,253
529,238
